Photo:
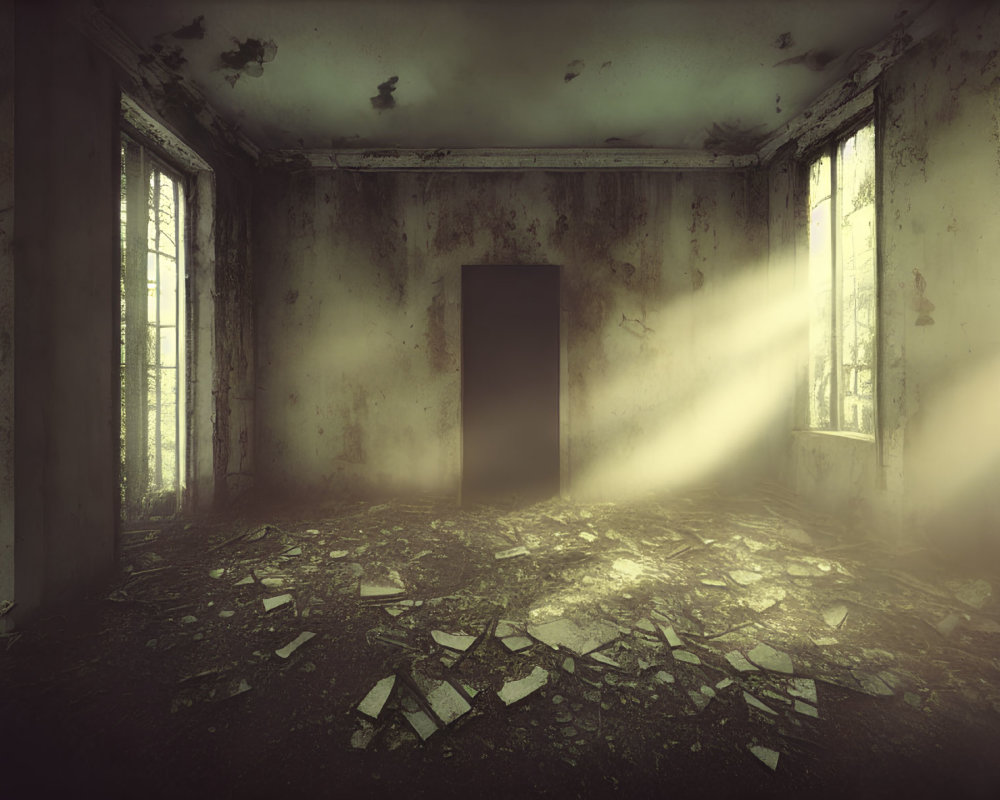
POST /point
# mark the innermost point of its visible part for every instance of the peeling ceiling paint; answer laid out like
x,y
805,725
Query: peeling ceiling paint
x,y
718,75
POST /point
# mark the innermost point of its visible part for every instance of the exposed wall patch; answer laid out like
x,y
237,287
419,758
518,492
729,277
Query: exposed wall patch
x,y
384,98
250,56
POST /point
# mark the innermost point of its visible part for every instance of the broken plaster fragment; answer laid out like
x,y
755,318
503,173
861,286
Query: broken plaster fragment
x,y
587,536
421,723
671,636
663,677
975,593
338,553
569,665
755,703
578,638
294,645
215,573
380,589
447,703
768,658
460,642
872,684
516,643
512,552
804,688
603,659
375,700
805,708
271,603
505,628
513,691
714,583
244,581
766,755
739,662
835,616
686,657
363,736
745,577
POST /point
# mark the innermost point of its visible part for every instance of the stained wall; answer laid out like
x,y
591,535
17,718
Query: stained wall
x,y
358,282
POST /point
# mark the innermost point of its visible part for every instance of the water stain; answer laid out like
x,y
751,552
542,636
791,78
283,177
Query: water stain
x,y
250,56
784,41
815,60
733,139
384,98
194,30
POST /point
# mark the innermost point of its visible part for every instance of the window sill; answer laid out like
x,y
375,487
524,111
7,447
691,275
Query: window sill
x,y
858,437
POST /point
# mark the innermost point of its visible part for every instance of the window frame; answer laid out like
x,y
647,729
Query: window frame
x,y
830,146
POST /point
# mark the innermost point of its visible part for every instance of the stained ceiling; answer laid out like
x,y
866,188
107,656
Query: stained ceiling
x,y
687,74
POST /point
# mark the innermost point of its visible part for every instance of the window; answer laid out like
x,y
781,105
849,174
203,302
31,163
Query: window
x,y
152,334
842,282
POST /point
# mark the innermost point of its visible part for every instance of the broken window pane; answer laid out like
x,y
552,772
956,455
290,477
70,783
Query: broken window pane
x,y
821,291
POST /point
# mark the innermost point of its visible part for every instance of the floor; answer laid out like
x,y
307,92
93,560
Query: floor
x,y
700,645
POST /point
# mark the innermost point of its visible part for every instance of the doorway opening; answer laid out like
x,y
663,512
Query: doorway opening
x,y
153,336
510,383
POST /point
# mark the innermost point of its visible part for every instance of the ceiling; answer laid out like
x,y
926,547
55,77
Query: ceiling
x,y
689,74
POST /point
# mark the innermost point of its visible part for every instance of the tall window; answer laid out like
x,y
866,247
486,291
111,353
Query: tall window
x,y
842,281
152,334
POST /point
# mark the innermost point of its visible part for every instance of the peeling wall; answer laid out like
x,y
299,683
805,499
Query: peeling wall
x,y
358,322
66,341
935,471
941,285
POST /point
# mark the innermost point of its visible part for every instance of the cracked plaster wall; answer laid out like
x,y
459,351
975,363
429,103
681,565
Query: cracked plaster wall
x,y
358,281
938,138
6,303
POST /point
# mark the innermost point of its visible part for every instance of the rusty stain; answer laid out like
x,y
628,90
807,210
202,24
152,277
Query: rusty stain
x,y
194,30
384,98
697,279
921,304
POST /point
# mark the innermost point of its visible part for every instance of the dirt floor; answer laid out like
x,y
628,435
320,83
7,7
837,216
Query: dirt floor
x,y
637,627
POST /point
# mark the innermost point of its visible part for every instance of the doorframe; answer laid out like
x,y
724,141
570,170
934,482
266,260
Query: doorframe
x,y
564,414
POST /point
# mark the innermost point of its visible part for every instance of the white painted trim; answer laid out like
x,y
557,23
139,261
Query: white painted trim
x,y
851,96
160,134
110,39
509,159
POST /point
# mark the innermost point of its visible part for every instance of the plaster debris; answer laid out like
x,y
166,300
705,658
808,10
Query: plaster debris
x,y
517,643
569,665
270,603
806,709
295,644
975,593
755,703
947,626
363,736
766,755
512,552
375,700
587,537
187,620
447,703
421,723
740,663
244,581
505,628
803,571
600,658
513,691
453,641
663,677
578,638
338,553
872,684
715,583
835,615
215,573
744,577
725,683
226,614
375,589
671,636
768,658
804,688
645,625
685,656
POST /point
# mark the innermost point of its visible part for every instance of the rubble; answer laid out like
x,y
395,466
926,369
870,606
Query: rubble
x,y
580,638
766,657
766,755
513,691
295,644
460,642
271,603
375,700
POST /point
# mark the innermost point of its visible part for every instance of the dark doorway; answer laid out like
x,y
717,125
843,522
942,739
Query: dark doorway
x,y
510,382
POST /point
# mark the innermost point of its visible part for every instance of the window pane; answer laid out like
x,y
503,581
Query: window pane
x,y
821,294
857,287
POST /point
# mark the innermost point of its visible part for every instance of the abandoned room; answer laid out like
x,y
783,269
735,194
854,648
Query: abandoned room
x,y
485,398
